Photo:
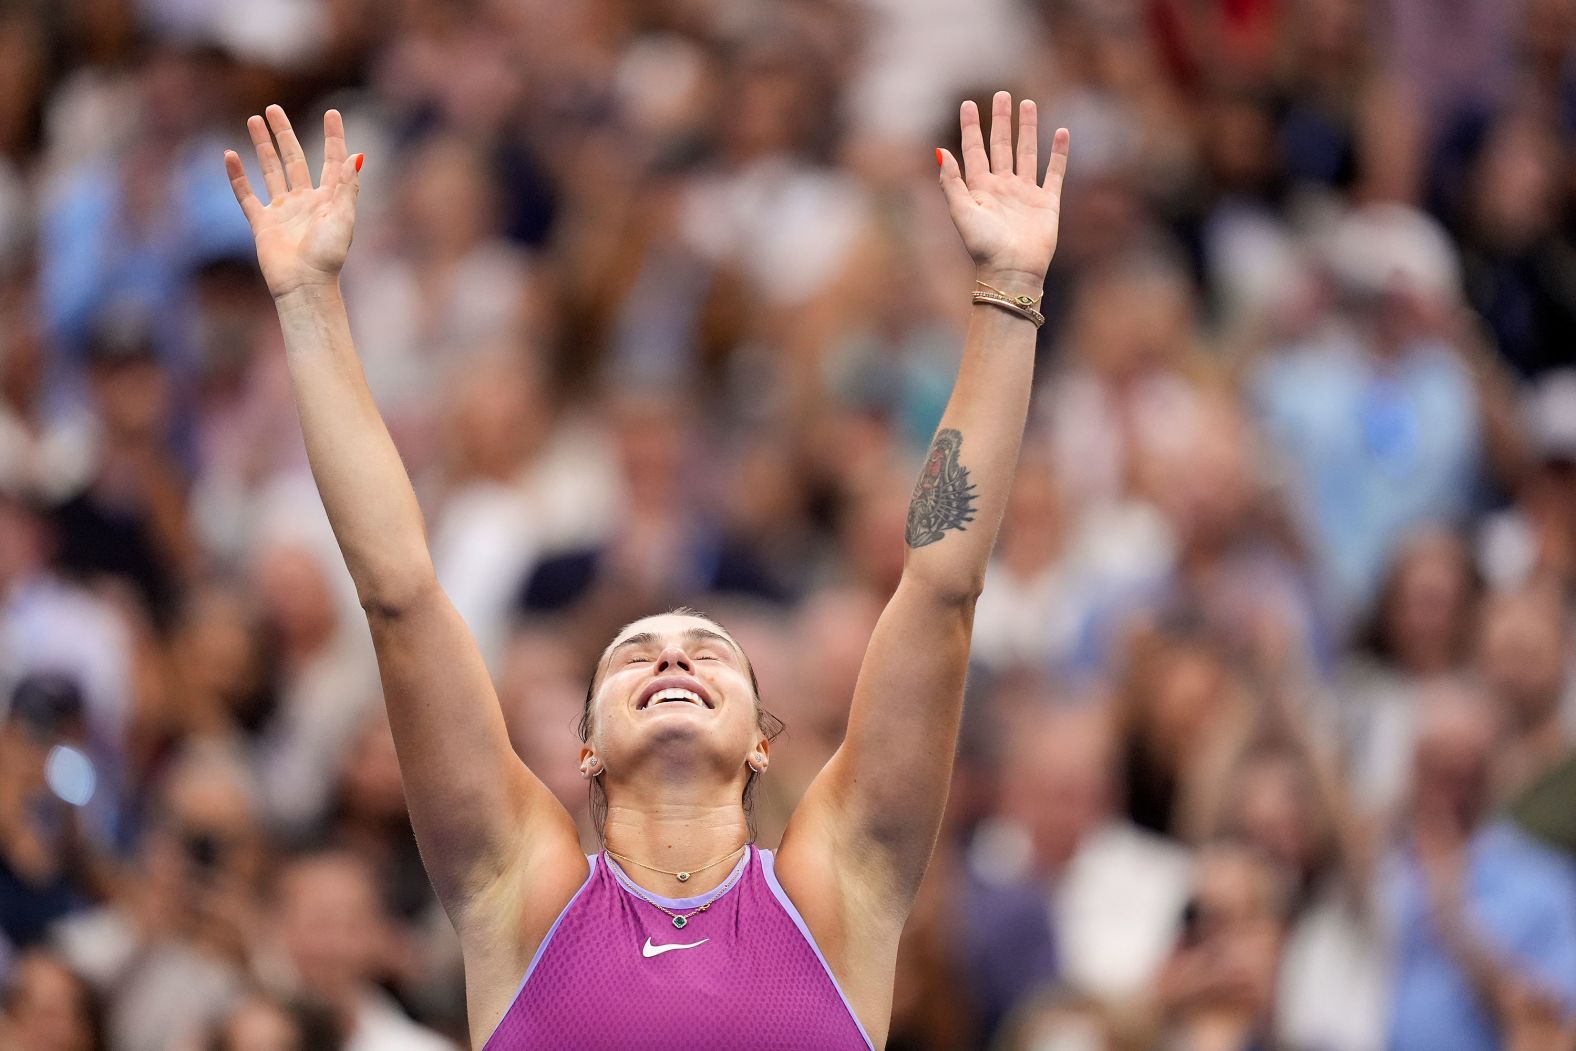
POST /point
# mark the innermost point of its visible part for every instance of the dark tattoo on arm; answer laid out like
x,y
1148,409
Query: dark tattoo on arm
x,y
943,497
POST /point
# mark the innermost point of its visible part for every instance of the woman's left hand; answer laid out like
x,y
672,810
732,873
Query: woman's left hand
x,y
1008,219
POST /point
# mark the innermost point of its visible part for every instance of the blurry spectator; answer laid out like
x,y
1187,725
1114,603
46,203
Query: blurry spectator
x,y
1239,565
1057,1019
1026,614
1537,535
120,233
1218,987
243,426
1056,571
1524,654
221,683
1486,918
44,1006
50,625
45,446
336,943
1180,697
1513,247
1131,381
129,518
261,1023
44,777
667,544
1064,888
1281,794
787,222
325,683
446,288
518,480
1420,632
172,949
1377,416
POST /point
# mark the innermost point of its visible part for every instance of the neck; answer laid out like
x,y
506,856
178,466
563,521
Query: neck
x,y
676,835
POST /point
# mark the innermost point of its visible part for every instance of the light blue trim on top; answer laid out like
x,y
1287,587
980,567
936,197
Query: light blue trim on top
x,y
677,904
540,949
769,868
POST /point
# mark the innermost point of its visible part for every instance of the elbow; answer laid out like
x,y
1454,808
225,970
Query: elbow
x,y
955,591
392,597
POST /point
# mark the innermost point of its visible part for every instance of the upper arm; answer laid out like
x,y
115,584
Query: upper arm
x,y
878,803
477,812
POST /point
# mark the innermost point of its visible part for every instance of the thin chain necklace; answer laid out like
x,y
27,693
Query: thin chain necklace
x,y
682,877
681,919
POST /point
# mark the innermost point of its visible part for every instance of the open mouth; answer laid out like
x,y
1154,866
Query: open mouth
x,y
668,691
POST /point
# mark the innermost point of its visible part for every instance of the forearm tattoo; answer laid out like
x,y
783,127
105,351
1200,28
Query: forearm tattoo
x,y
943,497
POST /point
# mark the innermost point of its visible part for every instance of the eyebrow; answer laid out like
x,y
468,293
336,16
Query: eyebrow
x,y
647,638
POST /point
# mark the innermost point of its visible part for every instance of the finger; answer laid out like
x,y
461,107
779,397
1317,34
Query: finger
x,y
975,162
952,184
267,157
251,207
290,151
1056,171
1001,133
1028,141
334,149
347,186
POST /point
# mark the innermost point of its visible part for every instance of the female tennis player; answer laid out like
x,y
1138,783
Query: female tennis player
x,y
681,935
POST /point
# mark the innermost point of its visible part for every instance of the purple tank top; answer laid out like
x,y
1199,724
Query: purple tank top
x,y
748,975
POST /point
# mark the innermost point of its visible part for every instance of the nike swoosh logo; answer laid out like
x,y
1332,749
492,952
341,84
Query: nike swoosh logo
x,y
648,950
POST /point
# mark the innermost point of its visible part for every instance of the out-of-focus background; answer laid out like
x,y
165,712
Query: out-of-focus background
x,y
1269,737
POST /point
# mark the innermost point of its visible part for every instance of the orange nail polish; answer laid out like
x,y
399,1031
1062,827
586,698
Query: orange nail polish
x,y
360,157
940,160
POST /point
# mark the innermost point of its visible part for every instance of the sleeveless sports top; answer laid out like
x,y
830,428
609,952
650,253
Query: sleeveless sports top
x,y
614,974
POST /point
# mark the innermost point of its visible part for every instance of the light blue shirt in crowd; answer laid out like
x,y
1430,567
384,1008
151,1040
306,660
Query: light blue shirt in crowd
x,y
1374,448
1521,897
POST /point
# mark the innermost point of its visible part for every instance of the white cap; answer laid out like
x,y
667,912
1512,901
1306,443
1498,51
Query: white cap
x,y
1386,247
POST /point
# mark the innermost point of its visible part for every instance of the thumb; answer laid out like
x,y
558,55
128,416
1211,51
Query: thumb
x,y
349,187
952,184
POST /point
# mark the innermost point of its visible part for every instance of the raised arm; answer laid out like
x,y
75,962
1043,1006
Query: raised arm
x,y
477,812
877,806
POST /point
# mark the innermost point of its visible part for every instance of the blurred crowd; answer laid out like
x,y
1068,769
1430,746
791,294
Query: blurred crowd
x,y
1269,738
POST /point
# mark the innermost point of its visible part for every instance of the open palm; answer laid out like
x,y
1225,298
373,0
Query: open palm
x,y
1008,219
303,232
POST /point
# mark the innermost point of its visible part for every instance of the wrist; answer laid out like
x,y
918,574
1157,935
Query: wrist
x,y
1014,281
308,296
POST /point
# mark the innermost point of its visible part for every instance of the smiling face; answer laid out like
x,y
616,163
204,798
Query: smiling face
x,y
673,690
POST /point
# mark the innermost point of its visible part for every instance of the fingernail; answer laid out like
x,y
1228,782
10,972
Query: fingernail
x,y
360,157
940,158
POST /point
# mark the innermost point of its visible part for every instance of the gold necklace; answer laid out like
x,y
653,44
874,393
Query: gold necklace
x,y
681,919
682,877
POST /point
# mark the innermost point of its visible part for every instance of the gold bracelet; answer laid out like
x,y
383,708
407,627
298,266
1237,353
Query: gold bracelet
x,y
997,299
1022,301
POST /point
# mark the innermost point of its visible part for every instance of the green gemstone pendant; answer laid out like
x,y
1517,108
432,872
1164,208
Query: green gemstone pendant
x,y
679,922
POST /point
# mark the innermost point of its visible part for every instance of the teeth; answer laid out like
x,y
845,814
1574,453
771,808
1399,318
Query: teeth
x,y
674,694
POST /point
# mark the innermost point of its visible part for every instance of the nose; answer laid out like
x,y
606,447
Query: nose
x,y
674,657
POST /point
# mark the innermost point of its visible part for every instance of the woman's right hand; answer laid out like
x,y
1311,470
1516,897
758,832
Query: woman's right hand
x,y
303,233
